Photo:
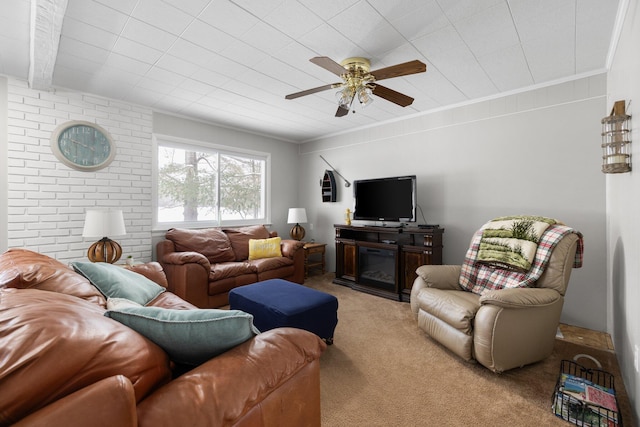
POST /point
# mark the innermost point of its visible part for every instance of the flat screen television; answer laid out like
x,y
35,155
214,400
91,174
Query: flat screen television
x,y
386,199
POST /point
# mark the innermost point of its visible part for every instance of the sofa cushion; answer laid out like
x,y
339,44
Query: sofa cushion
x,y
264,248
22,268
240,237
54,344
118,282
152,271
189,336
230,269
266,264
213,243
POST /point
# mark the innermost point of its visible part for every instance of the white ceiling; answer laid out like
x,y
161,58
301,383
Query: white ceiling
x,y
233,61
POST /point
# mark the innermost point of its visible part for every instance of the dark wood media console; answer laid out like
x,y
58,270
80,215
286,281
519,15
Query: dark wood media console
x,y
383,260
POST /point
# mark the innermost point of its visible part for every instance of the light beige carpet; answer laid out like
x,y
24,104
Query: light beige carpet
x,y
383,371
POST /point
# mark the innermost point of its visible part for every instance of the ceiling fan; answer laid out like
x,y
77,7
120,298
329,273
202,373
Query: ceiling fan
x,y
358,80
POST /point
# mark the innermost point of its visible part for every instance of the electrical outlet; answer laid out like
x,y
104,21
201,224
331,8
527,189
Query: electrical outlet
x,y
311,226
635,358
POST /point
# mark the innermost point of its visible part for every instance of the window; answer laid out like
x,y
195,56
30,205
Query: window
x,y
200,185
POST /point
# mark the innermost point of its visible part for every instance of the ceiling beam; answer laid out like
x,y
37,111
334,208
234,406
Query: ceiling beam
x,y
46,26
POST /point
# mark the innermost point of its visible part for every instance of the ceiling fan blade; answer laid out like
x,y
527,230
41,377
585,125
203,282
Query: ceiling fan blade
x,y
329,65
411,67
393,96
344,111
314,90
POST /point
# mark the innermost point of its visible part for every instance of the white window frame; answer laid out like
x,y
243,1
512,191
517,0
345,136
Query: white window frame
x,y
182,143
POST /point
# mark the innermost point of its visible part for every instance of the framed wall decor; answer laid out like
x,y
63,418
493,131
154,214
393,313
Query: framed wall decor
x,y
82,145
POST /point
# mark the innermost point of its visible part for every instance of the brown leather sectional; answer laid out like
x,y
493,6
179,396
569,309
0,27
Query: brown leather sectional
x,y
202,266
63,363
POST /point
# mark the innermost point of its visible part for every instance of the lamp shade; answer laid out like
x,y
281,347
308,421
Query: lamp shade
x,y
297,215
103,223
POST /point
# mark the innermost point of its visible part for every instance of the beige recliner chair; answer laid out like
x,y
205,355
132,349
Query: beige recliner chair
x,y
501,329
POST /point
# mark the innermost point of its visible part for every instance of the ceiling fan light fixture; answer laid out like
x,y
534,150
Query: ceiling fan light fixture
x,y
364,96
344,98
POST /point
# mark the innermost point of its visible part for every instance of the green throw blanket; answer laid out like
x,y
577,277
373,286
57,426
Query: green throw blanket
x,y
512,241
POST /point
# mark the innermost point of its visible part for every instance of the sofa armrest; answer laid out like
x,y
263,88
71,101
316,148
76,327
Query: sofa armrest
x,y
290,247
167,254
274,376
440,276
433,276
515,327
109,402
152,271
187,273
293,249
181,258
520,297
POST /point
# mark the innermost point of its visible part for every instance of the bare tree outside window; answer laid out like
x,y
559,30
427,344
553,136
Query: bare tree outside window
x,y
241,186
196,185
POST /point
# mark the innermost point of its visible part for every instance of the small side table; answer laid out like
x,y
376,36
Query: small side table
x,y
314,249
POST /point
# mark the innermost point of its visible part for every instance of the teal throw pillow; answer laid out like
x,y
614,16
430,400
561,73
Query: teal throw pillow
x,y
118,282
190,337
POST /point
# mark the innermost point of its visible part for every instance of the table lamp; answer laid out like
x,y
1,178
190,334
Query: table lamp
x,y
296,216
102,223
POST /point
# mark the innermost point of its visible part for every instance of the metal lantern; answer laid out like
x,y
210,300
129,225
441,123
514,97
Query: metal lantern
x,y
616,140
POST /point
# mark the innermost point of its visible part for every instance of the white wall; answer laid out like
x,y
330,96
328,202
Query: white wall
x,y
623,210
47,200
532,153
3,164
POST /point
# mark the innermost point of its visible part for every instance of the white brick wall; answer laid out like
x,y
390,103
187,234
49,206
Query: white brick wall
x,y
47,200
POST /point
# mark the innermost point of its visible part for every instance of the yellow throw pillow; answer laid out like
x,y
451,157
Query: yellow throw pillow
x,y
264,248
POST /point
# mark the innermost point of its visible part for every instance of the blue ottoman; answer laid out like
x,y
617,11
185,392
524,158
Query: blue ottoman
x,y
277,303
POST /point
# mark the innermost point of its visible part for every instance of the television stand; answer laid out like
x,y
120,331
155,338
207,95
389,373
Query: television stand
x,y
382,260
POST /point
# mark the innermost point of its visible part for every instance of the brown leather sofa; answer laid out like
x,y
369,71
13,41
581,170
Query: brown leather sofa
x,y
500,328
63,363
202,266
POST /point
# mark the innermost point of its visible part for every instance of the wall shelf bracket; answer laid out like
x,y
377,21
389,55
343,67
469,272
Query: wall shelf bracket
x,y
346,182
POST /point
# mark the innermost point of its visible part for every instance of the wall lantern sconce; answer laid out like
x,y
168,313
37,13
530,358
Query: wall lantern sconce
x,y
616,140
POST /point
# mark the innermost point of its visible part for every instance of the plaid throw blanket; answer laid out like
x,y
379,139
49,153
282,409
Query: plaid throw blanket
x,y
477,277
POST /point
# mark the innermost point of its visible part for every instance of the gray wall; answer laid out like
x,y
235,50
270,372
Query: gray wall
x,y
531,153
623,211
